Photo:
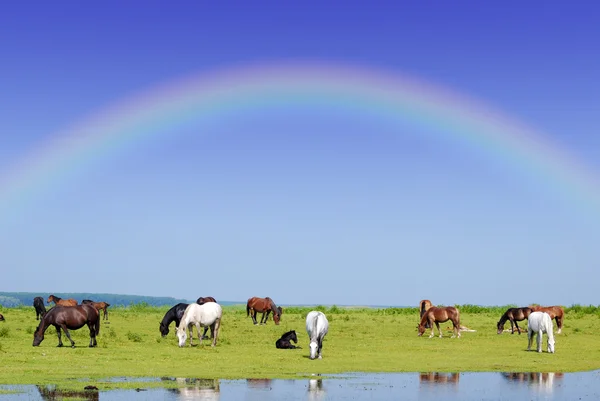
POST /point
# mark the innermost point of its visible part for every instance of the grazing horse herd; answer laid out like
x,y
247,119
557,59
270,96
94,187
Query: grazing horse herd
x,y
67,315
539,321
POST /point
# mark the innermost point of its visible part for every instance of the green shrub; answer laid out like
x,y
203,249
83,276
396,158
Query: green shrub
x,y
135,337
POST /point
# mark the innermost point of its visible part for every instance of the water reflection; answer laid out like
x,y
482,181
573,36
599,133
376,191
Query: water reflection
x,y
264,384
196,389
316,391
52,393
537,380
439,378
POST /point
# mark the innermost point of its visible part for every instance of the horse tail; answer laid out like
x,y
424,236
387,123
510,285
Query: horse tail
x,y
248,309
97,324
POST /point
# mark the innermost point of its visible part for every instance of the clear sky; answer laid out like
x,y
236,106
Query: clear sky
x,y
302,202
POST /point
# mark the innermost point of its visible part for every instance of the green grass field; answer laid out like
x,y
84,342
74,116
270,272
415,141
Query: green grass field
x,y
359,340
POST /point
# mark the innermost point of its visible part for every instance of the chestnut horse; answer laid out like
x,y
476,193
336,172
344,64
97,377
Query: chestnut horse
x,y
100,306
440,315
69,317
424,305
556,312
62,302
264,305
514,315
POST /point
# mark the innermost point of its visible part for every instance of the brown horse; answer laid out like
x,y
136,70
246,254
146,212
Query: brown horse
x,y
437,377
440,315
514,315
100,306
62,302
69,317
203,300
424,305
556,312
1,317
264,305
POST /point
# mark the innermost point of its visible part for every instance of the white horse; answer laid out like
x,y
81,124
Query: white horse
x,y
316,327
206,315
538,323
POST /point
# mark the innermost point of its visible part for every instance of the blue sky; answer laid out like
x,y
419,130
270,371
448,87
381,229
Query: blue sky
x,y
303,204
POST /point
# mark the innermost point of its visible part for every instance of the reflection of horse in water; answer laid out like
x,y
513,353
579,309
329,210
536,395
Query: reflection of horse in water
x,y
542,381
264,384
439,378
424,305
316,391
51,393
196,389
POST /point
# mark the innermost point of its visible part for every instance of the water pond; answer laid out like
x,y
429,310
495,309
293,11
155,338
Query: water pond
x,y
357,386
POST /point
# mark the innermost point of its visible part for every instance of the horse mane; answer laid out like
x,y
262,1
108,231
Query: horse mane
x,y
273,306
288,333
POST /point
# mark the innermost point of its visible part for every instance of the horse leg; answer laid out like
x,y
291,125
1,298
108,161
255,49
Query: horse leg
x,y
320,342
200,337
437,324
214,329
512,327
68,336
265,316
204,333
539,341
558,324
60,344
253,314
529,338
93,342
191,332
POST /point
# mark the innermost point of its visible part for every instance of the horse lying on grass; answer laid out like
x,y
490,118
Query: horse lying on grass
x,y
285,341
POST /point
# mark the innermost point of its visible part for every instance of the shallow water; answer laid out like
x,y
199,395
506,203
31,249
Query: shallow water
x,y
358,386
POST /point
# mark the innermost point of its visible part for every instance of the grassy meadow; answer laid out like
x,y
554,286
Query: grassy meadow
x,y
359,340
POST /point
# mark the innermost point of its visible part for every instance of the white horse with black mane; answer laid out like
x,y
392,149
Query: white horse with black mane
x,y
205,315
316,327
539,323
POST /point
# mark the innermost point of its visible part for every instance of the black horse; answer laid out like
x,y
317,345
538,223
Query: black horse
x,y
69,318
285,341
173,314
40,308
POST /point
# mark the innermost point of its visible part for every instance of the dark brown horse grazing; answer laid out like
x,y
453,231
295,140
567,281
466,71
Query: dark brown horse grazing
x,y
100,306
62,302
440,315
424,305
69,318
264,305
203,300
556,312
40,308
514,315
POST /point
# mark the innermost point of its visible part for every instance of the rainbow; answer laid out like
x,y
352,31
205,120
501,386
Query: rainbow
x,y
349,88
